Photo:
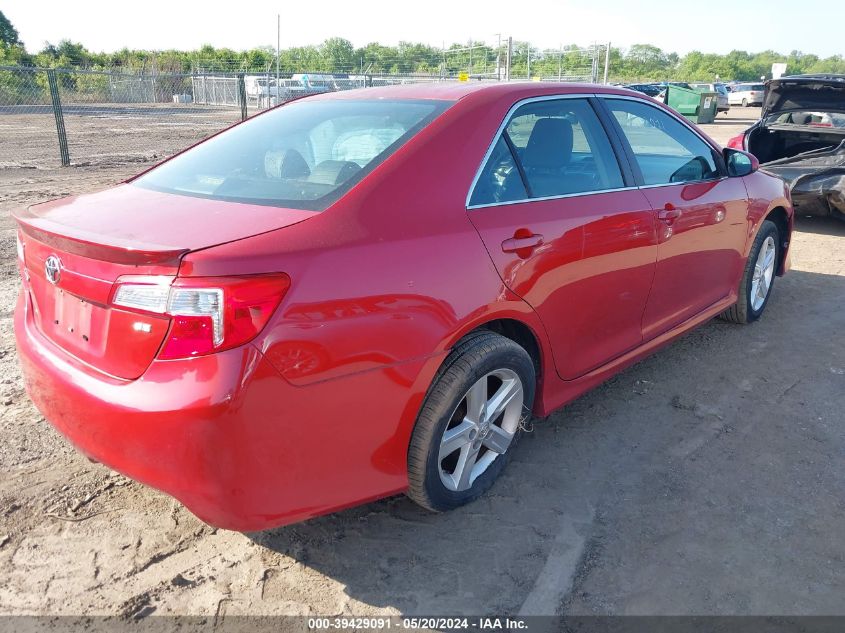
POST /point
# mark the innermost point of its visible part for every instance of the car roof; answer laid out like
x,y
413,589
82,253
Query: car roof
x,y
457,90
813,78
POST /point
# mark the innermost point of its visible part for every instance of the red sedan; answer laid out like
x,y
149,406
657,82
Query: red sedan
x,y
365,293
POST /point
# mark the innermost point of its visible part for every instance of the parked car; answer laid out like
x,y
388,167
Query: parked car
x,y
267,90
652,90
368,292
801,138
723,105
746,94
663,86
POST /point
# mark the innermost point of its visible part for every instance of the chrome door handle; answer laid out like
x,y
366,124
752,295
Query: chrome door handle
x,y
668,214
514,244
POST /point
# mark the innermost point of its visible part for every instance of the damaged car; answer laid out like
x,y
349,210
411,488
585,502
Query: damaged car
x,y
801,138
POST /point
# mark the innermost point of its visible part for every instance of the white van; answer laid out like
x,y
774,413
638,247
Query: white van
x,y
747,94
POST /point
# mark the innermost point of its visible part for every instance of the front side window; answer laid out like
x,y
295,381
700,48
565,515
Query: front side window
x,y
304,155
548,148
666,150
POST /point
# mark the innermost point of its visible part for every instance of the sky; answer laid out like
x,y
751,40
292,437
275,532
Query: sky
x,y
673,25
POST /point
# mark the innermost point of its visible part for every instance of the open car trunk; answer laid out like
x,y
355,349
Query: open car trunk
x,y
776,142
801,138
811,161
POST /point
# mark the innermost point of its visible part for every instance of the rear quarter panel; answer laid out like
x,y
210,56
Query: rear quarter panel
x,y
393,272
765,194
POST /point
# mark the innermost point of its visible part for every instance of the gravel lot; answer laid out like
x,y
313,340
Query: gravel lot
x,y
708,479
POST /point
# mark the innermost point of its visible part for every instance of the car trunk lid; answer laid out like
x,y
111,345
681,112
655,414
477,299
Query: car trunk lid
x,y
823,93
75,249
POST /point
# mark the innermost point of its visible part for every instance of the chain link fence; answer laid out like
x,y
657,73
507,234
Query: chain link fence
x,y
51,117
72,116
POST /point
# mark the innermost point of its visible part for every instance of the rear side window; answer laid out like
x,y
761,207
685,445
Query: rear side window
x,y
666,150
500,180
548,148
304,155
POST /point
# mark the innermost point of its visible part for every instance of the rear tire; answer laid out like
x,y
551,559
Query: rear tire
x,y
758,278
470,421
745,103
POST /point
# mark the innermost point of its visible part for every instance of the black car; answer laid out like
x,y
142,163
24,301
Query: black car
x,y
801,138
652,90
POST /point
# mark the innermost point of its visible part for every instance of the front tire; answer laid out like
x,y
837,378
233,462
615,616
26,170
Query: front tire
x,y
470,421
758,276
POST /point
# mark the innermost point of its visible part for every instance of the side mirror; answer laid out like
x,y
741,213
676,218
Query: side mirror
x,y
740,163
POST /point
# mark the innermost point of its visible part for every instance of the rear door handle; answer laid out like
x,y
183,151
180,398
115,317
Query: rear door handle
x,y
516,244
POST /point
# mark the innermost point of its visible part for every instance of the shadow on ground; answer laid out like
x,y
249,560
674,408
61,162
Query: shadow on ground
x,y
821,226
709,478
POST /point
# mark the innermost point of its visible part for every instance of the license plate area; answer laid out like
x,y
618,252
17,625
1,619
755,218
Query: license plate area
x,y
71,318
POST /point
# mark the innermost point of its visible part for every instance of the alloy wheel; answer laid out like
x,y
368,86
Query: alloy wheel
x,y
481,428
764,270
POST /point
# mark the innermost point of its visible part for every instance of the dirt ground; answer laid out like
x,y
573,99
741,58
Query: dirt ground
x,y
708,479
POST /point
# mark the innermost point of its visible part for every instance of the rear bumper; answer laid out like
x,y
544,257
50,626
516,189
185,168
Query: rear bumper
x,y
225,433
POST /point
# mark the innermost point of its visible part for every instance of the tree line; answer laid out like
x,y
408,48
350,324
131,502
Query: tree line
x,y
640,62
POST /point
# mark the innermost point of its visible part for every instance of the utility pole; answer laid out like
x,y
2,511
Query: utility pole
x,y
560,63
278,54
470,57
606,63
498,57
508,59
529,61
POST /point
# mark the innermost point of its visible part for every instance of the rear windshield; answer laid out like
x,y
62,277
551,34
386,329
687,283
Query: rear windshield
x,y
304,155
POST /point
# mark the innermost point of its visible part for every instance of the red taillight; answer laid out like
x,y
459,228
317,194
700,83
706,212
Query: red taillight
x,y
209,314
737,142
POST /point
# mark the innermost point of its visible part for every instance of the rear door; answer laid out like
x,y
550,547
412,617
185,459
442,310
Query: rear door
x,y
567,229
701,214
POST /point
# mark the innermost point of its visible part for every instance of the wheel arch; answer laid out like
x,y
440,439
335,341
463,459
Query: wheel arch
x,y
521,334
529,336
783,222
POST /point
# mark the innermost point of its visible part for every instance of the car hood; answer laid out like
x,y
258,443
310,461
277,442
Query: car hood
x,y
132,225
825,93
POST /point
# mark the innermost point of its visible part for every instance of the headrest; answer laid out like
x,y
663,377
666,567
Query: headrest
x,y
550,144
333,172
285,163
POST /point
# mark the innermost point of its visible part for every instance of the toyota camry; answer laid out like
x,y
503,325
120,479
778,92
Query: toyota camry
x,y
365,293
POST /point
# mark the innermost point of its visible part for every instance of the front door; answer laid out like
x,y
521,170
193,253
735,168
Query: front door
x,y
566,232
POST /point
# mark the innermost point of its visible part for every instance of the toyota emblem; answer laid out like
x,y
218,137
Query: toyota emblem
x,y
53,269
